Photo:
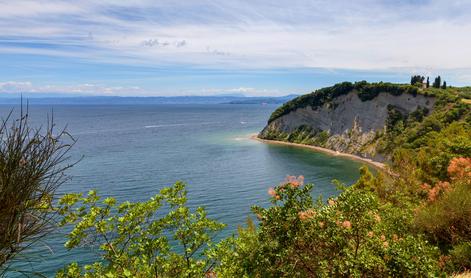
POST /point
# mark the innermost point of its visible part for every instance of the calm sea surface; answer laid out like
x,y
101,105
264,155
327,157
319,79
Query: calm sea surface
x,y
131,152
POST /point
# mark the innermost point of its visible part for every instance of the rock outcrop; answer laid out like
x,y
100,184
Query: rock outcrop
x,y
346,123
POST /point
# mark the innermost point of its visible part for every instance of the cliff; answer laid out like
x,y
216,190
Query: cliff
x,y
348,117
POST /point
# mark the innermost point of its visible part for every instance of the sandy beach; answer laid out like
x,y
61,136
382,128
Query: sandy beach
x,y
378,165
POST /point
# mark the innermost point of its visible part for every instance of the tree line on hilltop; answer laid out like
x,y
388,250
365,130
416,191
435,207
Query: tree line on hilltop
x,y
421,80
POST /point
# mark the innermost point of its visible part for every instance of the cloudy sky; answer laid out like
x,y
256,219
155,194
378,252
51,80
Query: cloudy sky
x,y
205,47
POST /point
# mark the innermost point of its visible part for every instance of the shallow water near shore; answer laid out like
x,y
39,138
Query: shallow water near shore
x,y
132,151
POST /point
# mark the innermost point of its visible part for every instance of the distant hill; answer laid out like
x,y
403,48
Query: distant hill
x,y
114,100
264,100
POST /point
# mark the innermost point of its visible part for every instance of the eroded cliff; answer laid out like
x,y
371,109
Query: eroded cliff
x,y
346,122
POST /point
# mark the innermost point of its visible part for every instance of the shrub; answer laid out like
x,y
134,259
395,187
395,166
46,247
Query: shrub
x,y
460,169
157,238
460,257
32,166
430,147
446,217
352,235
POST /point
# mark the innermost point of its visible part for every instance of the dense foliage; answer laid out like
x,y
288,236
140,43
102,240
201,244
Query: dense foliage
x,y
366,91
157,238
351,235
372,228
417,79
431,141
403,131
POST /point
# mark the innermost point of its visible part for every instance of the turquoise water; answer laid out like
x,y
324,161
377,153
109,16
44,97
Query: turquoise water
x,y
131,152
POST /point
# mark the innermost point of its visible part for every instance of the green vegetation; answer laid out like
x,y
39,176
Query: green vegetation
x,y
366,91
429,201
32,165
379,227
405,130
157,238
352,235
438,82
414,223
417,79
432,140
301,135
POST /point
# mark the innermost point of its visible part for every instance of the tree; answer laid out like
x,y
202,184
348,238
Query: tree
x,y
444,85
160,237
437,83
417,79
32,166
428,82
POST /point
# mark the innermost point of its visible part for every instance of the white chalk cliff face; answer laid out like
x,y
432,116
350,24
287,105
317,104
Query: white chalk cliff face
x,y
351,124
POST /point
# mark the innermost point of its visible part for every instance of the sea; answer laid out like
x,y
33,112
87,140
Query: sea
x,y
133,151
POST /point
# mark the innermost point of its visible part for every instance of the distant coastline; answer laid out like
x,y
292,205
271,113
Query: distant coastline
x,y
146,100
377,165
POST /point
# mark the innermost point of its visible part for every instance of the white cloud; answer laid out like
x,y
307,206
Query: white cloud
x,y
16,87
247,91
27,8
362,34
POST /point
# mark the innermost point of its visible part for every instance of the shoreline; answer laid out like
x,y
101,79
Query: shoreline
x,y
378,165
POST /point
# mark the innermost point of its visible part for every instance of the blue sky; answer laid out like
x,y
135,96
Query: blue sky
x,y
151,47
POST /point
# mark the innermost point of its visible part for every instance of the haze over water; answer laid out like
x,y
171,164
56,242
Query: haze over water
x,y
132,151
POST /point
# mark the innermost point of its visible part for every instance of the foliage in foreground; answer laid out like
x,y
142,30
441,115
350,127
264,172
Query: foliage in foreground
x,y
353,235
360,233
32,165
161,237
445,215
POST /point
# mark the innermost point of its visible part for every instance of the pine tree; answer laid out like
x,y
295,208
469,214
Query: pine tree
x,y
438,82
428,82
444,85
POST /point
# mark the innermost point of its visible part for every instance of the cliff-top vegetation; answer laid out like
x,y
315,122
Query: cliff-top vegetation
x,y
367,91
